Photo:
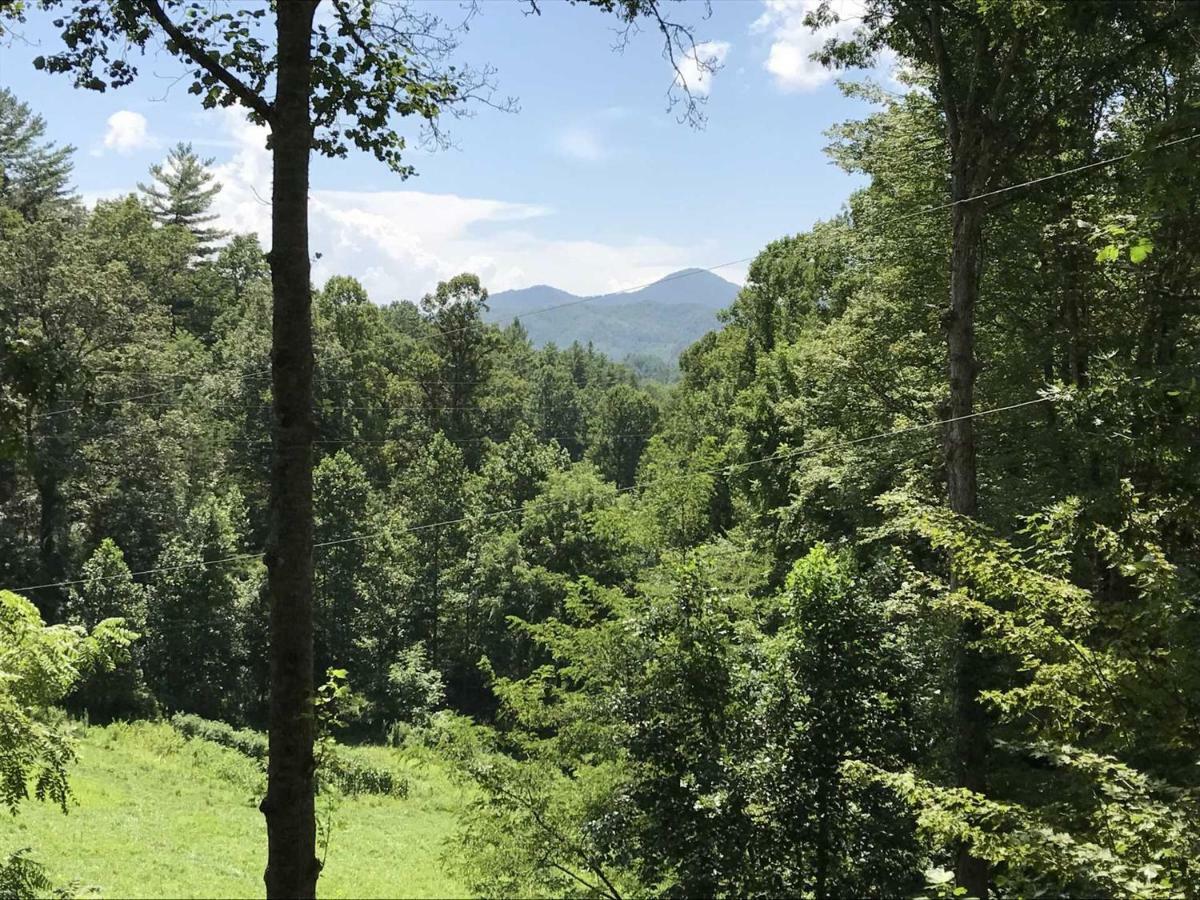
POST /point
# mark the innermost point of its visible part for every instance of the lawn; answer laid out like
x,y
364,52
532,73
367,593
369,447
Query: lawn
x,y
155,815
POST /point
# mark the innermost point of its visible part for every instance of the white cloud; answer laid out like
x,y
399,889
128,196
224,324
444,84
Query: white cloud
x,y
697,67
581,143
401,243
793,43
127,131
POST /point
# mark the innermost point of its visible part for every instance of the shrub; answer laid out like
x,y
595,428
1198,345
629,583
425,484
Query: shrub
x,y
250,743
340,771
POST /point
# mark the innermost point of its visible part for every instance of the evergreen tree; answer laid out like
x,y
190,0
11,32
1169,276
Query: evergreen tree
x,y
195,654
109,592
181,193
32,170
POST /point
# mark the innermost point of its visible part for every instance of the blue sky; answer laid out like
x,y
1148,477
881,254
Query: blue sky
x,y
592,186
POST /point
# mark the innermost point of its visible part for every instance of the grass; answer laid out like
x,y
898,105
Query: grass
x,y
156,815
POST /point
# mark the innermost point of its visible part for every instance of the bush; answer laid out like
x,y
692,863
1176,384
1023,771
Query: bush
x,y
348,775
415,689
250,743
352,777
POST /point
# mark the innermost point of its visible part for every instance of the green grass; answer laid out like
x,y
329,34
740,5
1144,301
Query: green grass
x,y
155,815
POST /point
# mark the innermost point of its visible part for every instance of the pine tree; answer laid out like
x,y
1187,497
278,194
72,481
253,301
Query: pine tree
x,y
107,592
182,193
32,170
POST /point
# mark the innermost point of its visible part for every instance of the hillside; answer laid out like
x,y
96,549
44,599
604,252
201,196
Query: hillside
x,y
659,320
157,815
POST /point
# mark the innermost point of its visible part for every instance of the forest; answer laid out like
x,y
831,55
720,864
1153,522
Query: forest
x,y
894,592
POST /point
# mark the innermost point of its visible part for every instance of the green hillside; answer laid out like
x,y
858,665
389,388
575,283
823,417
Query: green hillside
x,y
640,329
657,322
155,814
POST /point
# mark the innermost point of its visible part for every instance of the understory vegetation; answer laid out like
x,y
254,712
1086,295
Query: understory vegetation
x,y
584,634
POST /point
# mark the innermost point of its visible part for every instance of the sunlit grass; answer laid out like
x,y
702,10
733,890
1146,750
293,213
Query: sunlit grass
x,y
155,815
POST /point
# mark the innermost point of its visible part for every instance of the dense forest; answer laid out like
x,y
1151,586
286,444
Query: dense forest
x,y
893,593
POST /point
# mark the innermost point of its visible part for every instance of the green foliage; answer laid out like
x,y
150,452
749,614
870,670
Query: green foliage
x,y
416,690
672,745
248,743
40,665
32,170
23,878
109,592
181,194
195,660
360,620
344,771
711,636
620,428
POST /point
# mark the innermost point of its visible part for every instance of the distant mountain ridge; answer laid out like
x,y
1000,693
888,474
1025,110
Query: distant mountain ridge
x,y
657,321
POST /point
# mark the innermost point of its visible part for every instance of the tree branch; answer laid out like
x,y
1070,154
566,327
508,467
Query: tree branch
x,y
530,806
945,77
204,59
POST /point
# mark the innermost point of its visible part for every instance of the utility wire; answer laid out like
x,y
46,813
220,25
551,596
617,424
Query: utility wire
x,y
880,223
257,373
1099,164
500,513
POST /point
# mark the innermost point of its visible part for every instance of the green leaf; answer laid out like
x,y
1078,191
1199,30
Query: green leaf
x,y
1139,251
1108,254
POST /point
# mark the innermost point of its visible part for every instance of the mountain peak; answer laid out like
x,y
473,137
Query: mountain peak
x,y
658,320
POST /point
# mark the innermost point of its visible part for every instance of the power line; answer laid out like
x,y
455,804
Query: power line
x,y
318,408
880,223
495,514
474,438
258,373
1099,164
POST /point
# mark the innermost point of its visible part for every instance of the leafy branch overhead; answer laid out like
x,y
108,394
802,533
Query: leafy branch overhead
x,y
374,60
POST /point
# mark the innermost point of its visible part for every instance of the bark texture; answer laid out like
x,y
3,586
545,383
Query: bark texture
x,y
292,864
971,724
970,159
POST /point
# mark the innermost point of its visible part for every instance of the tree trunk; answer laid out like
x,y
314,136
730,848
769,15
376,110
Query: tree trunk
x,y
45,453
292,865
50,559
961,480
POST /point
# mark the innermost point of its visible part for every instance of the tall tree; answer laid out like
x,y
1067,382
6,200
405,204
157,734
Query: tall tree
x,y
32,170
68,305
181,193
1005,77
372,62
194,646
455,309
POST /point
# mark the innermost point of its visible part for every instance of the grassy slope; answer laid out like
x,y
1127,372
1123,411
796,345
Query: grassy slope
x,y
157,816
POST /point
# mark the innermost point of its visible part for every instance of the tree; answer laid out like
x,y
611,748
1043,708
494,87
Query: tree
x,y
436,502
463,343
834,690
41,665
619,430
362,621
371,62
195,657
32,170
109,592
74,290
1005,78
181,194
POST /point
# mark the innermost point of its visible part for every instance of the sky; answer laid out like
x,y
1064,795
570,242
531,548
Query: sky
x,y
592,185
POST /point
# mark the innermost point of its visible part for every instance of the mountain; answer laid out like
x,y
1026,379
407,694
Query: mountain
x,y
657,321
